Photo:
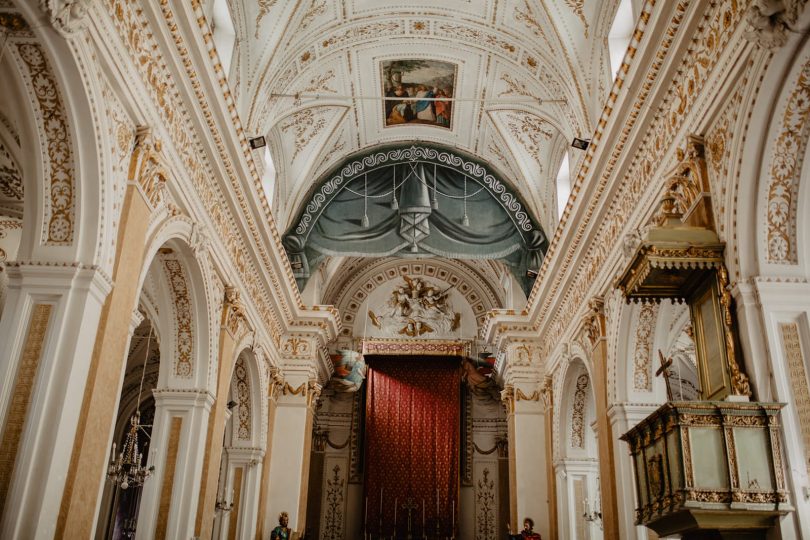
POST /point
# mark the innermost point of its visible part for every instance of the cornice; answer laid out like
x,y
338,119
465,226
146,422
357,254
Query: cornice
x,y
648,136
235,202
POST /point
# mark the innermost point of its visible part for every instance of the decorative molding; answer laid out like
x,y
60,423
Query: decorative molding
x,y
786,167
578,412
54,130
333,513
243,397
642,347
799,383
485,507
415,347
183,320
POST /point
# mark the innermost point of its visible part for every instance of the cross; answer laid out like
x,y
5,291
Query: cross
x,y
664,370
410,506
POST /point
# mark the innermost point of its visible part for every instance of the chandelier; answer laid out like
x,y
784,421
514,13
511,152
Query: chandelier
x,y
127,469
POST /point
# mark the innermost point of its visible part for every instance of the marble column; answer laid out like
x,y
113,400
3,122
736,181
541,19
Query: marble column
x,y
292,443
233,326
90,448
595,332
169,499
526,424
51,314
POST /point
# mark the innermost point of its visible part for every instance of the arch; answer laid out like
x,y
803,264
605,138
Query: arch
x,y
188,321
773,170
67,179
251,413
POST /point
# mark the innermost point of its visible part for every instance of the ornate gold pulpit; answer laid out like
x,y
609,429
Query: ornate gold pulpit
x,y
689,479
709,466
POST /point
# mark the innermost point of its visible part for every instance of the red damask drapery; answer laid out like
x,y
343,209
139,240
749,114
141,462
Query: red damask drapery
x,y
412,444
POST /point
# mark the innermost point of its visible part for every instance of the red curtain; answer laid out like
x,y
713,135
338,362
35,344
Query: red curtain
x,y
412,443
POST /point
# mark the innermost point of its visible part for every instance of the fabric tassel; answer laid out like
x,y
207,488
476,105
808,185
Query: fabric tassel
x,y
364,221
465,221
394,203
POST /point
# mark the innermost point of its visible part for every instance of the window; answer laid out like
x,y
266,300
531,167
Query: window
x,y
269,175
563,186
224,33
620,34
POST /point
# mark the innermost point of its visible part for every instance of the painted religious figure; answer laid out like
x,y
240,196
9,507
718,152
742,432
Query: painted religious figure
x,y
415,308
416,89
350,370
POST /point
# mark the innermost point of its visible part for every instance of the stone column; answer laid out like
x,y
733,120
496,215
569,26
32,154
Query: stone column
x,y
274,392
526,424
292,443
594,329
169,499
51,314
91,446
242,479
234,325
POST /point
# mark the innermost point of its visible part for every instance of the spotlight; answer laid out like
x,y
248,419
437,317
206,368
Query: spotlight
x,y
581,144
231,404
531,274
257,142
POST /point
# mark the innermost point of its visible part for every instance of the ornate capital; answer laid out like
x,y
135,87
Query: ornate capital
x,y
547,392
593,325
508,399
768,21
147,167
66,16
233,318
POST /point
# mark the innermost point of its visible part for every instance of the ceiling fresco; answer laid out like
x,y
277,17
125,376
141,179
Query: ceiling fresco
x,y
527,76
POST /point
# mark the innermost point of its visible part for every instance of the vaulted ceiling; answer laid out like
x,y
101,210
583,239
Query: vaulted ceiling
x,y
541,65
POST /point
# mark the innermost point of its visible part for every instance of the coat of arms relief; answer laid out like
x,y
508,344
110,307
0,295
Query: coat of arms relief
x,y
415,308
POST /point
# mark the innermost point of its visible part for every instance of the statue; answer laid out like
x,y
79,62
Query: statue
x,y
282,531
415,308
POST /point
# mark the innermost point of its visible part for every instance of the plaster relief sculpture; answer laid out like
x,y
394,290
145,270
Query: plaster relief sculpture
x,y
416,308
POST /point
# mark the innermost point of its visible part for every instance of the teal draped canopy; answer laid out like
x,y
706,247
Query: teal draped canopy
x,y
415,201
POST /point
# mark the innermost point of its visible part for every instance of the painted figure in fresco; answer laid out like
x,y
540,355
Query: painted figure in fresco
x,y
442,109
527,533
282,531
477,373
350,370
424,107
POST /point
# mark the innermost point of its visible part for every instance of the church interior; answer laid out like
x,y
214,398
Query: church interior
x,y
364,269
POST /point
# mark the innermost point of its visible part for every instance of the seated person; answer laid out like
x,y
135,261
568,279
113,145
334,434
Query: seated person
x,y
527,533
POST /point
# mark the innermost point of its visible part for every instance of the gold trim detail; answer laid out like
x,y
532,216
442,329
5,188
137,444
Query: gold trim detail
x,y
21,397
167,485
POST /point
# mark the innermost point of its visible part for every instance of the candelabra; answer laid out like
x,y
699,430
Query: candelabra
x,y
224,506
594,514
127,468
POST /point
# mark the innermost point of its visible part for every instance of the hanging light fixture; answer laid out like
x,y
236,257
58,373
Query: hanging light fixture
x,y
394,202
465,221
364,221
127,468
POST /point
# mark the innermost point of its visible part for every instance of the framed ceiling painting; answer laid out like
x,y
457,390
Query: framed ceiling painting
x,y
417,87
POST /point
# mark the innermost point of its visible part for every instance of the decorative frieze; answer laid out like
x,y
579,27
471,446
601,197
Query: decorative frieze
x,y
799,383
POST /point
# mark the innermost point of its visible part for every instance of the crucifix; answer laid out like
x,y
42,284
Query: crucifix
x,y
410,506
664,370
